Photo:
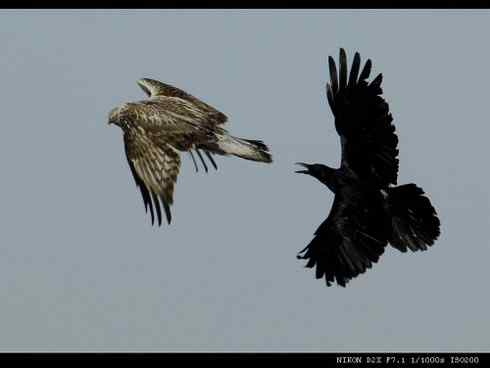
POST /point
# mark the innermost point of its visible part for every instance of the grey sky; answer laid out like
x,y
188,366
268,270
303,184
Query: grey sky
x,y
81,268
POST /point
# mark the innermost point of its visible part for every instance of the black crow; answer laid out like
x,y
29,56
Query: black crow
x,y
368,211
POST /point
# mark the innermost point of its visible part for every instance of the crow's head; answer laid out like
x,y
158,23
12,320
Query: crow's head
x,y
323,173
315,170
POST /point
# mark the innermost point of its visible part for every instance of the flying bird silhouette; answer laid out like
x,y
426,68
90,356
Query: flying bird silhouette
x,y
368,210
171,121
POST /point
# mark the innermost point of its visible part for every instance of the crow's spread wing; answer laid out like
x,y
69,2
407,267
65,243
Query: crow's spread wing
x,y
349,241
363,121
156,89
155,168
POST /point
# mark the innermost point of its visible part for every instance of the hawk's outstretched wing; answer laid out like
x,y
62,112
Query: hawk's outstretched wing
x,y
155,168
363,121
169,105
349,241
155,89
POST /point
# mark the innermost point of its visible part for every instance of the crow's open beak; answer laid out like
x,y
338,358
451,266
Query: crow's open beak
x,y
307,171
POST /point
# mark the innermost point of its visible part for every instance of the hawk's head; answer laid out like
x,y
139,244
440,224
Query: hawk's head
x,y
117,115
114,116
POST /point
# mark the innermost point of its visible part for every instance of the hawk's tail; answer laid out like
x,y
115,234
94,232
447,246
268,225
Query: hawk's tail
x,y
244,148
413,218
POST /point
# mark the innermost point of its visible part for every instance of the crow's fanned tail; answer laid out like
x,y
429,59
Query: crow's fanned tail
x,y
415,224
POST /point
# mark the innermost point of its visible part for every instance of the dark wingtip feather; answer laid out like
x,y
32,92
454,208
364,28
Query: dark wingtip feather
x,y
157,207
139,183
333,74
319,272
343,68
146,199
152,214
366,70
302,253
354,72
376,83
330,98
166,207
144,194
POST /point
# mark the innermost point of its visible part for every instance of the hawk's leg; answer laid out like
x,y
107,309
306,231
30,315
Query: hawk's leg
x,y
202,160
194,160
211,159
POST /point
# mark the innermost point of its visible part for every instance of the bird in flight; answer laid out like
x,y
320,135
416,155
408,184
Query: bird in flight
x,y
171,121
369,210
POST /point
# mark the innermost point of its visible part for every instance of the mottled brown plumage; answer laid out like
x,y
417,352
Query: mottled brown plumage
x,y
168,122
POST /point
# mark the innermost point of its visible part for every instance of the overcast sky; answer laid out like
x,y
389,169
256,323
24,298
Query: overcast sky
x,y
81,267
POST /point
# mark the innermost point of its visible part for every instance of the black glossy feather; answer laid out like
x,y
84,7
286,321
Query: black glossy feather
x,y
330,98
343,69
333,75
376,84
354,70
366,70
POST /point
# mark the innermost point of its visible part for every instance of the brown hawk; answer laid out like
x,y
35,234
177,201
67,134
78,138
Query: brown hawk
x,y
171,121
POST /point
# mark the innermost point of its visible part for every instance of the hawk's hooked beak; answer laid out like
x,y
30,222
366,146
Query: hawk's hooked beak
x,y
307,171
